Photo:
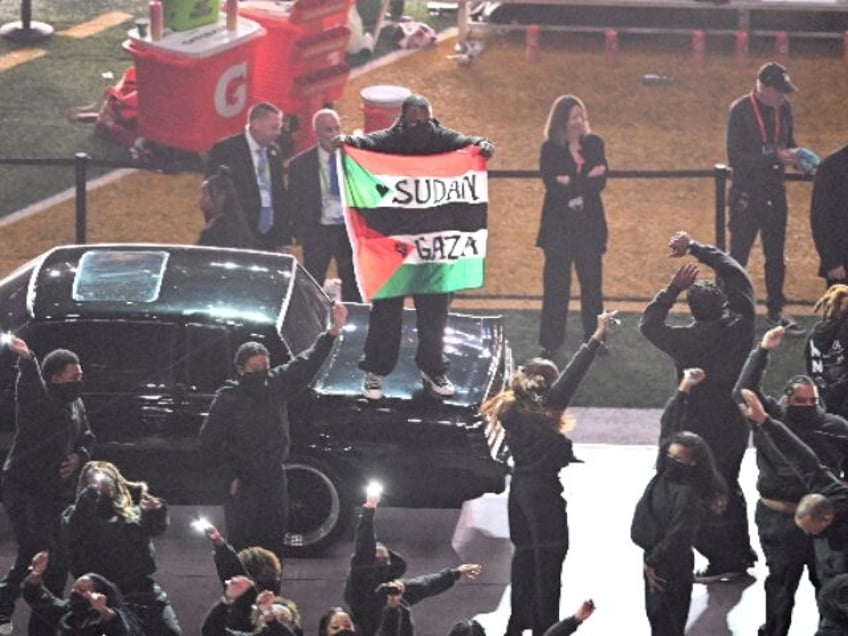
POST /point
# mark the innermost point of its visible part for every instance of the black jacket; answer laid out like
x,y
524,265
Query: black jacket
x,y
60,614
825,360
366,606
665,522
246,433
106,543
756,169
785,448
215,624
829,211
234,152
538,450
46,431
563,227
828,438
720,347
424,139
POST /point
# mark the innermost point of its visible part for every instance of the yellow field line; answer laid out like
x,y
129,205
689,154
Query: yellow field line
x,y
13,58
96,25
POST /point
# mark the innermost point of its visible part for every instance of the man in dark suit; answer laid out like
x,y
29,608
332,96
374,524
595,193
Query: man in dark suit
x,y
315,208
256,165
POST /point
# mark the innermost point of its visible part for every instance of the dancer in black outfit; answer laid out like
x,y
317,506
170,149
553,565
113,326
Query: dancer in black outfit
x,y
718,341
665,523
532,414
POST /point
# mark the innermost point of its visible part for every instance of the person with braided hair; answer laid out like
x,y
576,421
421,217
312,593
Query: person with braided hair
x,y
532,414
825,350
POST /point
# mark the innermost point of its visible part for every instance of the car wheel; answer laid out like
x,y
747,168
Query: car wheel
x,y
319,506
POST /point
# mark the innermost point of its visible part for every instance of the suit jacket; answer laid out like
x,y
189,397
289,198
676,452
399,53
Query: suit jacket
x,y
303,200
564,228
234,152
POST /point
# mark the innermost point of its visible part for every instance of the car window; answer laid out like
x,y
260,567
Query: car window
x,y
307,313
13,299
116,357
106,275
208,358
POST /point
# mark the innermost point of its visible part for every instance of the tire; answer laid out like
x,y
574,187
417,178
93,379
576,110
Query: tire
x,y
319,506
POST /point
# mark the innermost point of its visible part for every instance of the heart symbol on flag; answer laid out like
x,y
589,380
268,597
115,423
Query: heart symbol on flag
x,y
382,190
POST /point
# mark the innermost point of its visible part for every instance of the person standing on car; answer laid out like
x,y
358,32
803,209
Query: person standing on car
x,y
532,413
52,440
246,434
416,132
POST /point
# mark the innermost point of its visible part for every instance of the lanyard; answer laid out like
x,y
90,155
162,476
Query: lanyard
x,y
761,124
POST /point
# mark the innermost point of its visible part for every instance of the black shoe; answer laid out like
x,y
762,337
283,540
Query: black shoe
x,y
713,574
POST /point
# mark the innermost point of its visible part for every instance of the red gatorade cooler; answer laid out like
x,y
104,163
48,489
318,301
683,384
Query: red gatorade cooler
x,y
381,105
194,86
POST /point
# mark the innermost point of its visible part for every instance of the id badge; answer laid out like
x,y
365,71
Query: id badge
x,y
576,204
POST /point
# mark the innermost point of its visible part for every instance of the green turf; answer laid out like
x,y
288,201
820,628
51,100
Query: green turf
x,y
635,374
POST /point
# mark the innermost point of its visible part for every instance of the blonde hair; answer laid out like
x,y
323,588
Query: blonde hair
x,y
127,493
834,304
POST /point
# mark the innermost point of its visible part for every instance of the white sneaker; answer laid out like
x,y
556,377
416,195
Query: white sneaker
x,y
372,387
438,384
5,627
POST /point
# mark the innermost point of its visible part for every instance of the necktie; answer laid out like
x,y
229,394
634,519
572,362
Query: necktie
x,y
333,174
266,213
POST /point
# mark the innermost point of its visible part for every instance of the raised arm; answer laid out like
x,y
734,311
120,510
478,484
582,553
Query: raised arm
x,y
566,384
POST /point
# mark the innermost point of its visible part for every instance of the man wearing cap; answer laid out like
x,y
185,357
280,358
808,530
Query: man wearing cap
x,y
760,143
246,434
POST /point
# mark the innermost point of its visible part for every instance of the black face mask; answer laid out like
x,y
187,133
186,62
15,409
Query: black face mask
x,y
66,392
678,471
803,418
255,383
79,604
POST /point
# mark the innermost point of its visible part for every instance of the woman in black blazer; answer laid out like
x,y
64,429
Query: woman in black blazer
x,y
573,228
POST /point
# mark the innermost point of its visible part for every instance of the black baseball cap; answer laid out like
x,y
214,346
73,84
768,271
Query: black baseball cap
x,y
776,76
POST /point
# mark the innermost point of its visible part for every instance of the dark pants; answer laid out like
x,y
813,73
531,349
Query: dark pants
x,y
724,539
766,214
538,529
258,514
331,241
668,609
151,606
556,282
788,551
35,518
382,345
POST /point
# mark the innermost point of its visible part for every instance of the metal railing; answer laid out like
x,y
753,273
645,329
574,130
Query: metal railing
x,y
720,174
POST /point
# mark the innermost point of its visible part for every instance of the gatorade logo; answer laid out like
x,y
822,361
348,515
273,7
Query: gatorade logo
x,y
231,91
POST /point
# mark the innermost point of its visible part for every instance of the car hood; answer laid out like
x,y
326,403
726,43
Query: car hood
x,y
478,355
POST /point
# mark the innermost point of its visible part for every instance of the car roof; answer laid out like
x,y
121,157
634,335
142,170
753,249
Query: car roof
x,y
172,282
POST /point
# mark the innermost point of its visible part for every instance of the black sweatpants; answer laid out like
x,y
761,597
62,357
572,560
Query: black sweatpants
x,y
538,529
258,514
787,550
382,345
668,609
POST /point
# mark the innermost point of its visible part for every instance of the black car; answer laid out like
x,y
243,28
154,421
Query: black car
x,y
156,327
